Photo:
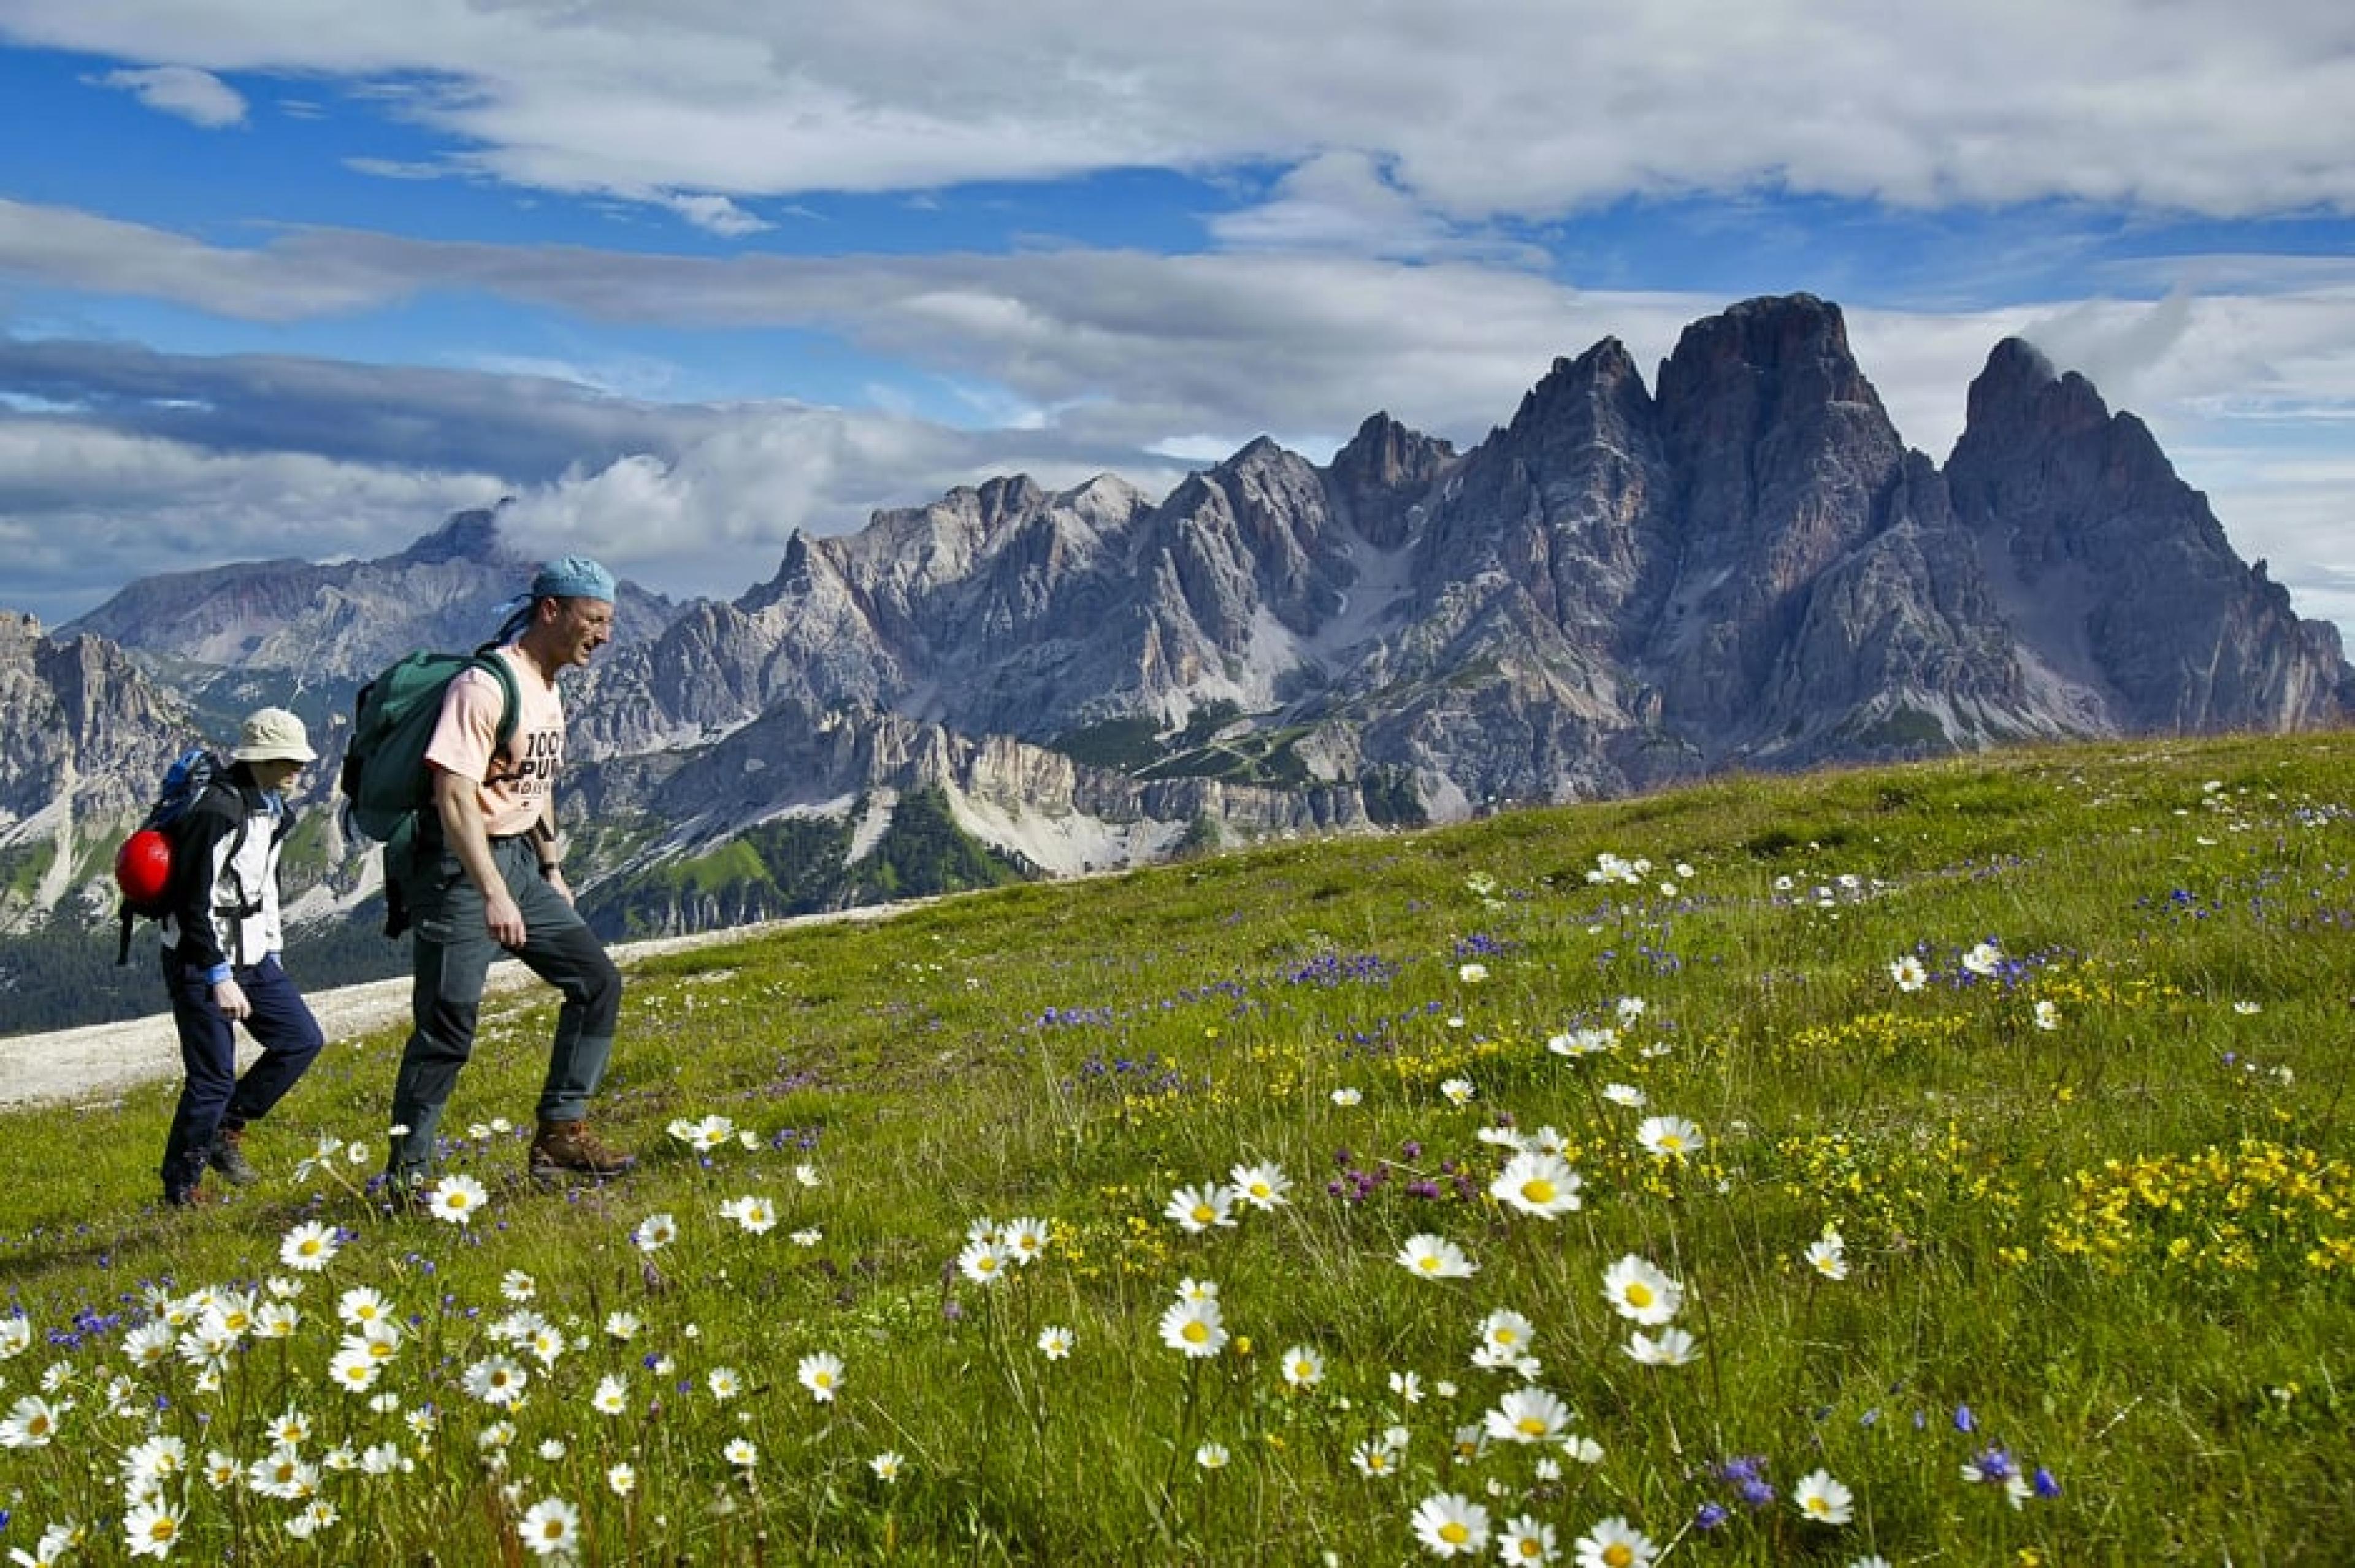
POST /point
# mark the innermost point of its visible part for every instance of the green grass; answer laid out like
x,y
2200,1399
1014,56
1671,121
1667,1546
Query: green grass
x,y
2099,1199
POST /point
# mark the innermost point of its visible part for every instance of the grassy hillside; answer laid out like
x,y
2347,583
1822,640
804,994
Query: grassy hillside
x,y
1947,1163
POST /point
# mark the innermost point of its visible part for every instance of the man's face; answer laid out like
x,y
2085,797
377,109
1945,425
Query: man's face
x,y
583,626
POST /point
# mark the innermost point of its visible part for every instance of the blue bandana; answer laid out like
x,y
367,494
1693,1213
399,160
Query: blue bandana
x,y
574,577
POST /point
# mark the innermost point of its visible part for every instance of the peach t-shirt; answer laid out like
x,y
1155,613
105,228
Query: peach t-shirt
x,y
515,785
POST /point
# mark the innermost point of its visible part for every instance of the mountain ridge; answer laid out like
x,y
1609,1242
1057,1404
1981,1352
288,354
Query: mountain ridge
x,y
1741,565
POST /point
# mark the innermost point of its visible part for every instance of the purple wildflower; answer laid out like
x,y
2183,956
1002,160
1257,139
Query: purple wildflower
x,y
1995,1464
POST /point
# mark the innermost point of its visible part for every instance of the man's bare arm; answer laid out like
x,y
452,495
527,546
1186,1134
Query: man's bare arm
x,y
462,830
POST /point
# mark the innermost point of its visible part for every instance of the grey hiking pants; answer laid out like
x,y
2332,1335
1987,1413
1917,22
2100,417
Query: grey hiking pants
x,y
453,953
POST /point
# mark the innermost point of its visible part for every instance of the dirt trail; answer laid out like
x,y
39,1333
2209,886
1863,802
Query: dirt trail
x,y
99,1061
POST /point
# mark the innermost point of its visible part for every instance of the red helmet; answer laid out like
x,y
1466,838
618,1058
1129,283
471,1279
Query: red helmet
x,y
143,867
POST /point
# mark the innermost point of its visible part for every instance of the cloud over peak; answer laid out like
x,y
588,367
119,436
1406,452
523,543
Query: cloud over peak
x,y
196,96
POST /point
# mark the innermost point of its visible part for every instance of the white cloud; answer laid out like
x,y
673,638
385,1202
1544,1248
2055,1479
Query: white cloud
x,y
715,213
714,519
1478,109
84,509
73,249
1347,202
1121,360
196,96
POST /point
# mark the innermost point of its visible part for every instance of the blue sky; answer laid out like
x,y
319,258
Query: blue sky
x,y
299,277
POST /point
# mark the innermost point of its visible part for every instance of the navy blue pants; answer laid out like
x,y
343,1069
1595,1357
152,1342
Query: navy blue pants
x,y
213,1096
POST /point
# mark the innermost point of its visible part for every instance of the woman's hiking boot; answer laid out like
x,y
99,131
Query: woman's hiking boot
x,y
563,1148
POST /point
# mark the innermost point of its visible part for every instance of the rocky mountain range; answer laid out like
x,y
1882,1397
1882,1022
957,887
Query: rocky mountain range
x,y
1740,566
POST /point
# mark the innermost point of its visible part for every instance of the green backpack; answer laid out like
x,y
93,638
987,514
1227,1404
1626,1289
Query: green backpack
x,y
386,782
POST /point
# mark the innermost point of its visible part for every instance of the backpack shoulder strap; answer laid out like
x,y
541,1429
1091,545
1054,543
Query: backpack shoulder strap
x,y
223,798
486,657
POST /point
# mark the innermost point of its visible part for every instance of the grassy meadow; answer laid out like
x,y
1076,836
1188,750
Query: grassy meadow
x,y
1942,1164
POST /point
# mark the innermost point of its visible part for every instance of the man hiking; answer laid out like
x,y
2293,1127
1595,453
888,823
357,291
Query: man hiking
x,y
221,937
486,879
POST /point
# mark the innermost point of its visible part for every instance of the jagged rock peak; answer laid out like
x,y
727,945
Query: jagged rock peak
x,y
1378,479
467,535
1602,370
1387,453
2016,358
1008,496
1260,451
1793,348
2020,386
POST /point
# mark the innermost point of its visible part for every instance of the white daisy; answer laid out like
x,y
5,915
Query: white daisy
x,y
551,1527
31,1422
151,1528
1640,1292
752,1212
1262,1185
1821,1499
821,1373
1451,1525
1199,1208
309,1246
1506,1332
1615,1543
1672,1347
1025,1240
1668,1138
362,1304
1528,1415
1540,1184
1526,1539
455,1198
1435,1257
1828,1255
1194,1328
497,1380
984,1262
1583,1041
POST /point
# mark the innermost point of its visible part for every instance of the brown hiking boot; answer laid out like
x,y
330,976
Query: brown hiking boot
x,y
570,1146
228,1157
